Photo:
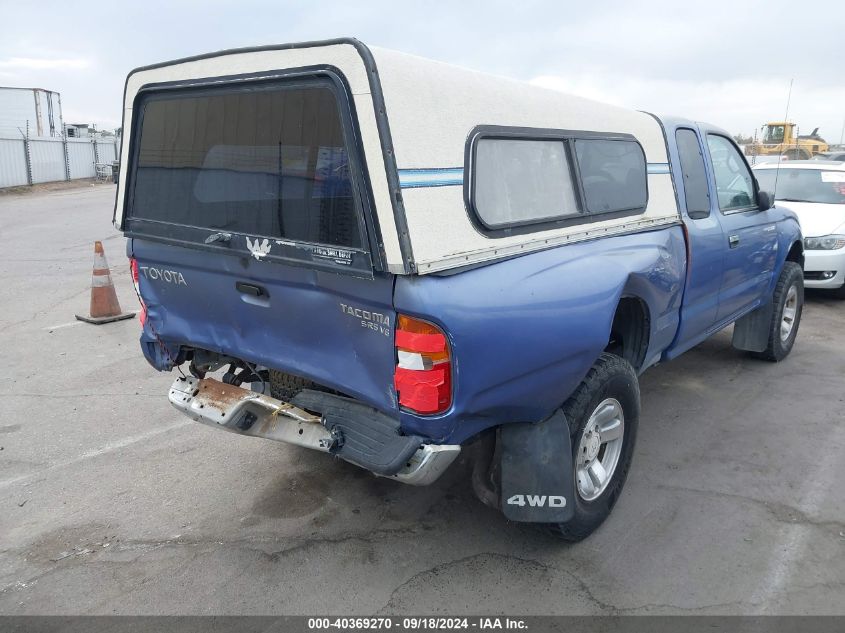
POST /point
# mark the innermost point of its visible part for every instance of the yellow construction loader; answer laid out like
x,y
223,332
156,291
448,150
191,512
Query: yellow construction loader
x,y
782,138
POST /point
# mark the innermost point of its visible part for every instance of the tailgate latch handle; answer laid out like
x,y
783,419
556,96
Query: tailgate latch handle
x,y
225,238
251,289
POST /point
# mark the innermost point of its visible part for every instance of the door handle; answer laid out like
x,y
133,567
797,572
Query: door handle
x,y
251,289
733,241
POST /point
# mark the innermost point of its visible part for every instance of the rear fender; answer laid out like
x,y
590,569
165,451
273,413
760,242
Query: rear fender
x,y
525,331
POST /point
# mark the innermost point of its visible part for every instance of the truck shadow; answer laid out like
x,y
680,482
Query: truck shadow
x,y
822,297
334,497
338,498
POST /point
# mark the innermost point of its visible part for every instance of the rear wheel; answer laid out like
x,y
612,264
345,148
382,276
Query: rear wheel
x,y
788,302
603,414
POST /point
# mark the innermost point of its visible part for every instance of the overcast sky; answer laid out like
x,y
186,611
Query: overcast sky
x,y
726,62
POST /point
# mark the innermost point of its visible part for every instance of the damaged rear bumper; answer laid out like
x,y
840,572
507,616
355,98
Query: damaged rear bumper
x,y
350,430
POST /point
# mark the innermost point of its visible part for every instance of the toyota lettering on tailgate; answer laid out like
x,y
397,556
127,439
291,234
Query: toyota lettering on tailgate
x,y
161,274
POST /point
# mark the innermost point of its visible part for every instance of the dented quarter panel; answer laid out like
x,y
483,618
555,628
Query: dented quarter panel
x,y
301,327
525,331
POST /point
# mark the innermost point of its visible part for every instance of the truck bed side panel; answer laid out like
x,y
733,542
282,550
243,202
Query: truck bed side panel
x,y
525,331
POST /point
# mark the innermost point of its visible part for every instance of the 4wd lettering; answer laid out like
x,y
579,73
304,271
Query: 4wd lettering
x,y
160,274
537,501
375,321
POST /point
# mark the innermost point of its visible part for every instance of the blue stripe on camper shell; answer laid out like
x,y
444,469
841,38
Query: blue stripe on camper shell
x,y
452,176
435,177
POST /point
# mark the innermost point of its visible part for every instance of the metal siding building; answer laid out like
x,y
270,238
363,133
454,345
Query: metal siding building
x,y
33,148
42,109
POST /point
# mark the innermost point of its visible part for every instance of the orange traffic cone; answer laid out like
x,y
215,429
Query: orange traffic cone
x,y
104,305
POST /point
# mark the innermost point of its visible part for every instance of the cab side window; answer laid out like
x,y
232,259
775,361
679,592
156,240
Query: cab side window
x,y
695,177
734,184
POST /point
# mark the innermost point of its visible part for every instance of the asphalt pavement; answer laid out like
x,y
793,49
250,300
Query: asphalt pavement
x,y
111,502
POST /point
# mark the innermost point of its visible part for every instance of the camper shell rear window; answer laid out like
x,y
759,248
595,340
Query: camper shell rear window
x,y
524,179
268,167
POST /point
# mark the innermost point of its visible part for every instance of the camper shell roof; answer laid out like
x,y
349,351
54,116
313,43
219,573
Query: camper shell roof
x,y
415,123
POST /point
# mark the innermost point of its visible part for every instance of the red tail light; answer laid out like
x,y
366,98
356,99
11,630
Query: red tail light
x,y
133,266
423,377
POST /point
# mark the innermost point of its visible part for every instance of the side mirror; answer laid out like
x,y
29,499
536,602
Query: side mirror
x,y
765,200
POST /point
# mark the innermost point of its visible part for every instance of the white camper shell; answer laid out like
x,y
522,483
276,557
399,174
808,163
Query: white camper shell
x,y
419,125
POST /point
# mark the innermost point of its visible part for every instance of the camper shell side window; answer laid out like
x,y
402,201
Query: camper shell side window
x,y
266,167
522,180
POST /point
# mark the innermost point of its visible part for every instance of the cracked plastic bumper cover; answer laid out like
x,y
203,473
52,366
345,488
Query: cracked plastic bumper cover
x,y
347,429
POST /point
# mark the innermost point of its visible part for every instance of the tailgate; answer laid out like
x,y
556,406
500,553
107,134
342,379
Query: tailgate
x,y
251,224
334,329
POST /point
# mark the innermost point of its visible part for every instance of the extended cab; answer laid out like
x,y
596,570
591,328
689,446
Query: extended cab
x,y
393,260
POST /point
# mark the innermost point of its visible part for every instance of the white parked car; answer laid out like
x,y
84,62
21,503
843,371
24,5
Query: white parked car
x,y
837,155
762,160
815,191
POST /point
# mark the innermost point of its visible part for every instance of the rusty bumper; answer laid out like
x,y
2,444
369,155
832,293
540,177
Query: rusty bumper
x,y
246,412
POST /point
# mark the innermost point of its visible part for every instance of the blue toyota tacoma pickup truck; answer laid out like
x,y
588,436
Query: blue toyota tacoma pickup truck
x,y
393,260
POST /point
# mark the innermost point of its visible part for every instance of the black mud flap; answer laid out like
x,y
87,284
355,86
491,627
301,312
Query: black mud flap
x,y
537,478
751,332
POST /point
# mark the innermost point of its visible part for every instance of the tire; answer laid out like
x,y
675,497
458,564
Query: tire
x,y
788,296
610,380
285,386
